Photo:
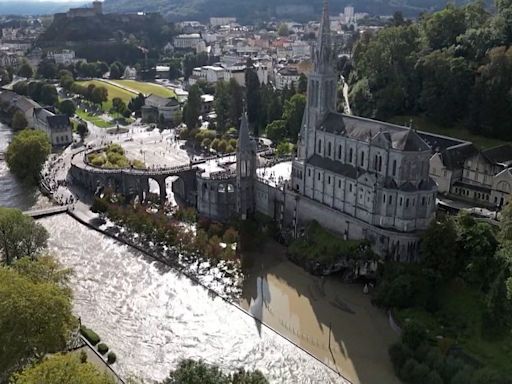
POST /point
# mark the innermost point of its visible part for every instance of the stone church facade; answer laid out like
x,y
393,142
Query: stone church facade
x,y
360,178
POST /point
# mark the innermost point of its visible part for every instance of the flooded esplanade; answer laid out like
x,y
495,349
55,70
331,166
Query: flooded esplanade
x,y
152,317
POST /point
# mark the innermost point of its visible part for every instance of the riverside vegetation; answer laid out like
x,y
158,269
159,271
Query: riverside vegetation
x,y
455,306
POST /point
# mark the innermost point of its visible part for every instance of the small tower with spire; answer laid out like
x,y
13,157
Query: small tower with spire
x,y
245,170
322,83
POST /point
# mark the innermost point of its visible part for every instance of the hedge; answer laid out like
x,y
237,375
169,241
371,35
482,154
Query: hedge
x,y
90,335
111,358
102,348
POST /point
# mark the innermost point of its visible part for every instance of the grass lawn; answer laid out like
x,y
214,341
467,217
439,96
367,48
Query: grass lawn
x,y
113,92
146,88
457,131
460,317
99,122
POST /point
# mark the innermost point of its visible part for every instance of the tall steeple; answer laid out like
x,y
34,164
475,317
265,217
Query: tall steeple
x,y
322,83
323,52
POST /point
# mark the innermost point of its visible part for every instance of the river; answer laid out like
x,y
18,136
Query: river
x,y
13,193
152,317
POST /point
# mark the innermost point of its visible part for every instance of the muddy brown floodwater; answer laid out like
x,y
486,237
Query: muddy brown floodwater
x,y
303,307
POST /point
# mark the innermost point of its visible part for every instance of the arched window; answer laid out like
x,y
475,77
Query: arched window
x,y
350,155
380,163
329,149
394,168
319,146
362,159
339,152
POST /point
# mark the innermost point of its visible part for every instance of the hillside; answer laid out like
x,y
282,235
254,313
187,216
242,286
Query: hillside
x,y
249,10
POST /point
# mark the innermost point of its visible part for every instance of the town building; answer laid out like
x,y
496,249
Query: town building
x,y
57,127
65,57
159,109
479,177
188,41
286,77
220,21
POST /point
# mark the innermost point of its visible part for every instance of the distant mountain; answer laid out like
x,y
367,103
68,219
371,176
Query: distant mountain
x,y
255,10
17,7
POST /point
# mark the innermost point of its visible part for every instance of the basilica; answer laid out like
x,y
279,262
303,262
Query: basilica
x,y
360,178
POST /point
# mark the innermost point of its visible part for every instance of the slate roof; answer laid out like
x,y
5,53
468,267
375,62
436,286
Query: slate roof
x,y
454,157
333,166
402,138
159,102
22,103
501,154
58,121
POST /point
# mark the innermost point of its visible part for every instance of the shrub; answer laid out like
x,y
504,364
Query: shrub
x,y
91,336
111,358
414,334
102,348
399,354
99,205
83,357
230,236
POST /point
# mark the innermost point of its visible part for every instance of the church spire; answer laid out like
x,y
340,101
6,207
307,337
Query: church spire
x,y
323,49
244,139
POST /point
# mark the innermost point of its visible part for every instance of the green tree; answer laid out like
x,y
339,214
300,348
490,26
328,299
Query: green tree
x,y
35,319
236,100
192,109
21,88
18,121
442,28
276,131
99,95
26,70
118,106
252,85
27,153
136,103
283,30
67,107
116,70
293,113
20,235
174,68
47,69
82,130
491,100
302,86
63,368
439,248
446,84
49,95
197,372
221,105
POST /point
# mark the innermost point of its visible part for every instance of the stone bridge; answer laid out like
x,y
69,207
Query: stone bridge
x,y
133,182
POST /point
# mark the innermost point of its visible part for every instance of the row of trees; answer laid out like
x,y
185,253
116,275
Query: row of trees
x,y
39,91
453,66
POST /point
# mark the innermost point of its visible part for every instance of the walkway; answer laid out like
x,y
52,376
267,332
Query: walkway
x,y
39,213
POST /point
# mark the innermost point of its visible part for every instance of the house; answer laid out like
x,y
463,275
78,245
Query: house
x,y
130,73
188,41
159,109
57,127
286,77
481,177
11,102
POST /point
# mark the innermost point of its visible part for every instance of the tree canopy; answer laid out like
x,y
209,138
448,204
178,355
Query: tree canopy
x,y
27,153
63,368
35,317
20,236
198,372
453,66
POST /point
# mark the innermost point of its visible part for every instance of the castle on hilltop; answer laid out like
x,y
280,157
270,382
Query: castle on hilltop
x,y
360,178
95,10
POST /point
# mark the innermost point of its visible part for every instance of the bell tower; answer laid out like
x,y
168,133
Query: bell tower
x,y
245,170
321,97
